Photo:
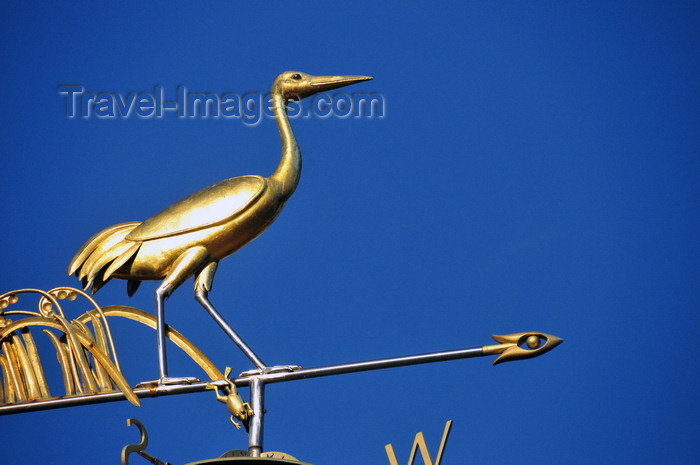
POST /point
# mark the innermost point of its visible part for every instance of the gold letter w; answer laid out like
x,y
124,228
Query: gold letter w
x,y
419,443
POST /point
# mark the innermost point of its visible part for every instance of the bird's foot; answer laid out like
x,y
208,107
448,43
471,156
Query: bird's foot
x,y
274,369
168,381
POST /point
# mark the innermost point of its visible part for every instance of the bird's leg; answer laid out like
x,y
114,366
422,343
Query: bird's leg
x,y
202,286
160,295
183,267
202,297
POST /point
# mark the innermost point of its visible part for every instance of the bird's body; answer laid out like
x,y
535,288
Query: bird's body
x,y
220,218
191,236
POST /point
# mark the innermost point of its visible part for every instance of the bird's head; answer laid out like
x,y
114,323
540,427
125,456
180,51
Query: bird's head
x,y
295,85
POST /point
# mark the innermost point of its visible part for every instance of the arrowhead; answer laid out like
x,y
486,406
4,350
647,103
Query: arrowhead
x,y
519,346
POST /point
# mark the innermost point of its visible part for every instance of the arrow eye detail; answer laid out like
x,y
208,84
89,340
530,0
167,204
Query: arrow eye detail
x,y
532,341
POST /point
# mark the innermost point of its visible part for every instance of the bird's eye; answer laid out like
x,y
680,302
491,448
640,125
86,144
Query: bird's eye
x,y
296,76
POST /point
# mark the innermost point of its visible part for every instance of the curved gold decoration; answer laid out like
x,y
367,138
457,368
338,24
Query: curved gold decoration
x,y
85,349
139,448
519,346
87,357
178,339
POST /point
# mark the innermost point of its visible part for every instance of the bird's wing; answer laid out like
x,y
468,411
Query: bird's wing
x,y
210,206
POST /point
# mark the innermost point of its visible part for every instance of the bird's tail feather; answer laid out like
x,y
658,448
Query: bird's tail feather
x,y
103,254
92,243
123,257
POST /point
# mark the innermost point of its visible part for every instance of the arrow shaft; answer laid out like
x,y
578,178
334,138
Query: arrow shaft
x,y
368,365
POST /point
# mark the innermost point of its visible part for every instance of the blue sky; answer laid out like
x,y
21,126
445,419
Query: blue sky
x,y
536,169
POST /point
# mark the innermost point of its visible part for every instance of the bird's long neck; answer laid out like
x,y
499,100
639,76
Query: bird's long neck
x,y
287,174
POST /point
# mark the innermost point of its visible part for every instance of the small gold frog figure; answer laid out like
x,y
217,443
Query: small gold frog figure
x,y
234,403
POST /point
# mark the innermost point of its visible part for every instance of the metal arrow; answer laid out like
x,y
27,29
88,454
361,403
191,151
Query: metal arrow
x,y
510,347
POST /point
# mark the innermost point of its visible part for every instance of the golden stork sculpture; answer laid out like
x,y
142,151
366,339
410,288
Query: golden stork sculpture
x,y
191,236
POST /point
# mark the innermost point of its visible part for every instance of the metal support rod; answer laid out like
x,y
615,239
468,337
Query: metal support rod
x,y
100,398
255,431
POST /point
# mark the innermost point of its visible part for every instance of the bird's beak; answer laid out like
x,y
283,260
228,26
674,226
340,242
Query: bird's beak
x,y
326,83
317,84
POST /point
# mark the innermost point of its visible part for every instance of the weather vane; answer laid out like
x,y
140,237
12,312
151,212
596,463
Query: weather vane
x,y
188,238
